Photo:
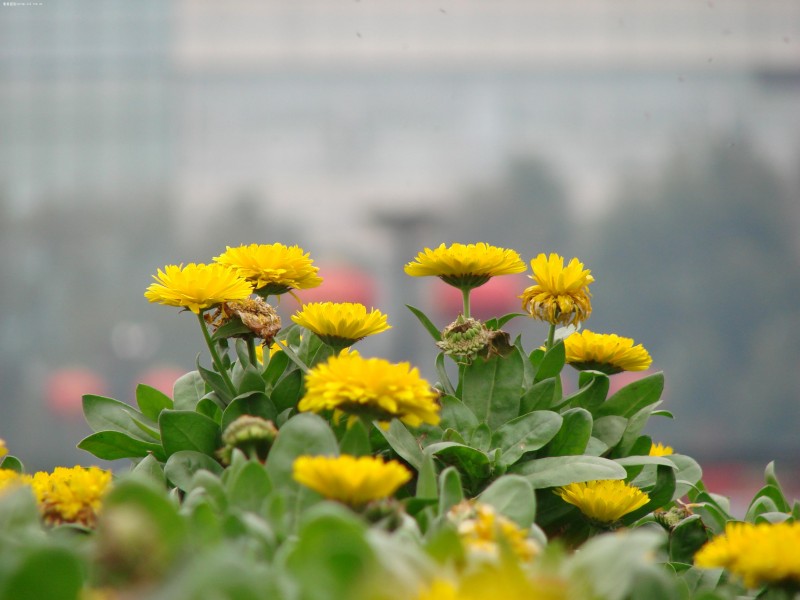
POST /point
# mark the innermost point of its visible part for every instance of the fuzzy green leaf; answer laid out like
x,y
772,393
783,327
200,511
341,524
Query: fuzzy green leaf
x,y
493,387
188,430
563,470
525,434
152,401
112,445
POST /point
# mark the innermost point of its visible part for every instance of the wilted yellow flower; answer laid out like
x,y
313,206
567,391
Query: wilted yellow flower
x,y
349,479
71,495
197,286
605,352
604,501
372,387
561,295
11,479
763,553
465,266
273,268
483,530
660,450
260,318
340,324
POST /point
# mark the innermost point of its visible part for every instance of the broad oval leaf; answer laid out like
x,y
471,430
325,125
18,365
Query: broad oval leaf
x,y
112,445
563,470
188,430
525,434
513,497
493,387
182,466
574,435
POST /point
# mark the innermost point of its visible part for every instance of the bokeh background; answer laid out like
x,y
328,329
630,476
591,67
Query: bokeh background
x,y
657,141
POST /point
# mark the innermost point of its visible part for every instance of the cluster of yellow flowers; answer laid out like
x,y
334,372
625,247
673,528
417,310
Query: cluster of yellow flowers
x,y
67,495
483,531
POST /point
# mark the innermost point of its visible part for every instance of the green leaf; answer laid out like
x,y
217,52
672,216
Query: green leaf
x,y
662,493
497,323
405,444
541,396
609,430
493,387
288,391
355,440
471,462
53,573
686,538
249,487
209,406
107,414
552,362
635,396
767,499
249,380
513,497
215,381
450,489
687,475
481,437
151,468
525,434
455,415
563,470
182,466
303,434
444,380
188,390
250,403
232,328
593,389
426,323
12,463
276,366
152,401
113,445
574,435
188,430
426,482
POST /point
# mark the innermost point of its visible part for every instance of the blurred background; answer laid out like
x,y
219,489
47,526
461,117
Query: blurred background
x,y
657,141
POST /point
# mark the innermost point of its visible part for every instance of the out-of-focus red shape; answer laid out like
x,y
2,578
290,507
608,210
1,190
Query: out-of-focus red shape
x,y
495,298
161,378
64,389
340,283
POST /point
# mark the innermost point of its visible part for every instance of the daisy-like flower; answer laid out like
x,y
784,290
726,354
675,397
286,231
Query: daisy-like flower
x,y
350,480
340,324
371,387
604,501
758,554
490,581
71,495
465,266
197,287
273,268
561,294
605,352
481,530
660,450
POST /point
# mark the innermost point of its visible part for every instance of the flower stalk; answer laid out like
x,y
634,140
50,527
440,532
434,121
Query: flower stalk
x,y
215,358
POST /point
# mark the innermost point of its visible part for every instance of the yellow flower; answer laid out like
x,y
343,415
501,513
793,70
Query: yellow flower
x,y
482,529
3,449
465,266
350,480
197,286
340,324
660,450
372,387
604,501
491,581
762,553
71,495
561,295
605,352
273,268
10,480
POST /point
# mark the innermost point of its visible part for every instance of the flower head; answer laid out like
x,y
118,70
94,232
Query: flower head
x,y
197,286
604,501
340,324
660,450
465,266
350,480
561,295
251,434
482,530
605,352
372,387
71,495
273,268
10,480
761,553
490,581
3,449
260,319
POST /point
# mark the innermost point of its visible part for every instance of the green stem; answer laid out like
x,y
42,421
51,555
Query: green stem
x,y
251,349
465,294
215,355
284,345
551,336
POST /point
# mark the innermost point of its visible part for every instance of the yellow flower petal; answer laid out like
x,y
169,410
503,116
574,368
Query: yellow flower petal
x,y
604,501
197,286
561,294
71,495
340,322
606,352
465,266
276,267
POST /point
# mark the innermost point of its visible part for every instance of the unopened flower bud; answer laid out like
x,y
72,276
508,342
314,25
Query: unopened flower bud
x,y
252,435
464,337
